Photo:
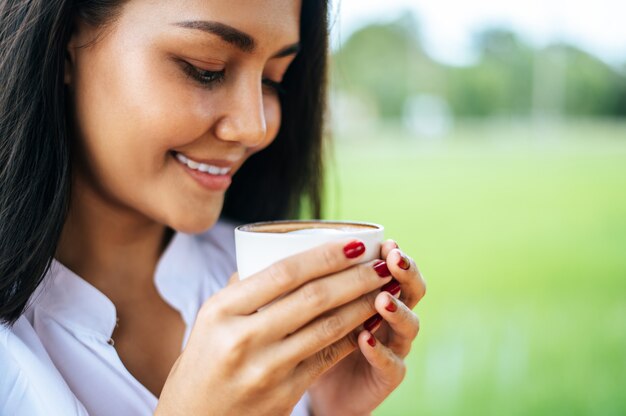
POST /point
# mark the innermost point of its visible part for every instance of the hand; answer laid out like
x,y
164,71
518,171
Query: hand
x,y
360,382
240,361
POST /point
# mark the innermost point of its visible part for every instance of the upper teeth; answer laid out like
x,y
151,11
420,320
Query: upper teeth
x,y
202,167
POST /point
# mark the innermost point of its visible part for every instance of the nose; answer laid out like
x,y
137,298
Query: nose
x,y
243,115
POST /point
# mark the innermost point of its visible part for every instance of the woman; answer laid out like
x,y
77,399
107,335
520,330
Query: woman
x,y
122,125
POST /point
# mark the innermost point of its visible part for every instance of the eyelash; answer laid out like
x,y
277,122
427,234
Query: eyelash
x,y
212,78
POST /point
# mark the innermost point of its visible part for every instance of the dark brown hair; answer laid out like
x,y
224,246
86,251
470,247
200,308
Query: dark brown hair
x,y
35,137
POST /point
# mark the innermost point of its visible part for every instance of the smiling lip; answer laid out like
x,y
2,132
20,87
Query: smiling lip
x,y
224,163
214,175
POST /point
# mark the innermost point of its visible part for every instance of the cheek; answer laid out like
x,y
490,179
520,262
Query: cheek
x,y
130,112
132,105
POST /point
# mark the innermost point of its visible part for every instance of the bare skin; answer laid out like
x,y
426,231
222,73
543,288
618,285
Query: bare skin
x,y
127,186
136,104
150,335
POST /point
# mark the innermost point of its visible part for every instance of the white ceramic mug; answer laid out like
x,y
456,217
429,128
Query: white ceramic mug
x,y
261,244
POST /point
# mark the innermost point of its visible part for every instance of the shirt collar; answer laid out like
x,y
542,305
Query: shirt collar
x,y
78,305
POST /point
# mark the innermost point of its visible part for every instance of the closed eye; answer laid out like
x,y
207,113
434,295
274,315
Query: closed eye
x,y
203,76
210,78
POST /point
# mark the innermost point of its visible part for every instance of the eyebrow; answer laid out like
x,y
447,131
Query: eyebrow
x,y
235,37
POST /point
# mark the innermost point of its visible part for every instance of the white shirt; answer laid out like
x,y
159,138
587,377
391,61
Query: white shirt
x,y
57,359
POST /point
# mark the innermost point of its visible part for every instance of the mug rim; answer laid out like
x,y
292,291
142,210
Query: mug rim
x,y
245,228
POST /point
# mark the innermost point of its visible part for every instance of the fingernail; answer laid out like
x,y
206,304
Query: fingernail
x,y
395,245
354,249
391,306
371,323
371,340
381,269
404,263
392,287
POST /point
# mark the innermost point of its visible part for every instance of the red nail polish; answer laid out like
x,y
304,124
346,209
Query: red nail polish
x,y
372,341
391,306
354,249
392,287
371,323
381,269
404,263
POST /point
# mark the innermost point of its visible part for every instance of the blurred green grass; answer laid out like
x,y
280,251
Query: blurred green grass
x,y
520,232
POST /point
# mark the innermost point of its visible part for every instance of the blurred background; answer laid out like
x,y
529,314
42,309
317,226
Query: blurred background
x,y
490,139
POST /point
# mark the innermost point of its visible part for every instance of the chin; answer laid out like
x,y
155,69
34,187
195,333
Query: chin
x,y
193,224
192,227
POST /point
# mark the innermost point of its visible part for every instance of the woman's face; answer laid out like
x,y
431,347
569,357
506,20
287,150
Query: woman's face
x,y
172,82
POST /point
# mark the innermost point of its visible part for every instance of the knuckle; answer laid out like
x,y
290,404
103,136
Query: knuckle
x,y
323,360
363,276
332,327
329,258
402,370
236,347
415,327
205,313
259,379
352,339
280,274
314,296
404,350
211,310
327,357
367,304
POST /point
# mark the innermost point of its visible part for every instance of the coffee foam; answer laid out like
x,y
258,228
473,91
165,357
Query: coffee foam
x,y
306,227
319,231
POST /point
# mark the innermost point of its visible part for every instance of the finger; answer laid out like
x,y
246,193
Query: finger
x,y
309,370
315,341
403,322
311,300
389,367
249,295
406,273
386,248
373,323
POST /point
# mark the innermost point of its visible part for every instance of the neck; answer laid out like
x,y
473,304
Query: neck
x,y
111,246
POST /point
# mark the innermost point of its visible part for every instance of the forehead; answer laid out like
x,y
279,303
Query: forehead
x,y
269,22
